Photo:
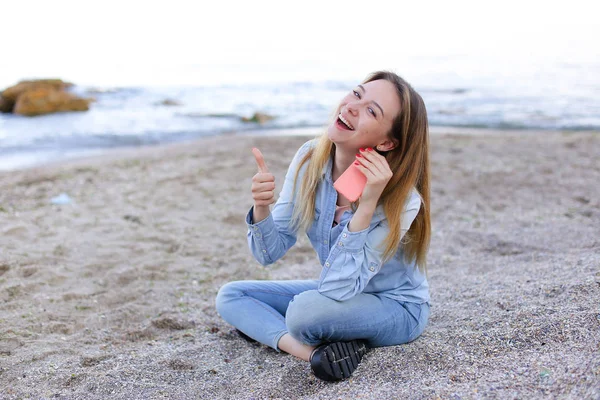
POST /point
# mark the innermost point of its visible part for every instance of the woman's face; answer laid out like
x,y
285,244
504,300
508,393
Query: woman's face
x,y
365,116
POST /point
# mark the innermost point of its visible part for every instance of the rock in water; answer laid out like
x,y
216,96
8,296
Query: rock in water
x,y
5,105
45,101
41,96
169,102
8,98
258,117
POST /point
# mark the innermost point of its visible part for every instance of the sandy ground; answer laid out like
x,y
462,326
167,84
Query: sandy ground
x,y
112,296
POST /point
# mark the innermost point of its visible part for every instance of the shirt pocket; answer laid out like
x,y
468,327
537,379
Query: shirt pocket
x,y
317,214
312,231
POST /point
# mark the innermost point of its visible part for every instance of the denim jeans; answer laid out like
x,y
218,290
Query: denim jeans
x,y
266,310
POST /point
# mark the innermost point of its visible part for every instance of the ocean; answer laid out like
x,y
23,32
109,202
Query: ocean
x,y
458,92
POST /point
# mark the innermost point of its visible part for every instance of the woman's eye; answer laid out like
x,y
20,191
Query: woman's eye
x,y
371,111
356,93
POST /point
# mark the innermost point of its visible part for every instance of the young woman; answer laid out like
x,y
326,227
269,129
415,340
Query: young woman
x,y
372,290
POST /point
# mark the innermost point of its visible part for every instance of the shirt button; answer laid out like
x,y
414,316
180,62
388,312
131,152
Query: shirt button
x,y
264,251
256,228
327,264
371,269
344,235
325,241
340,244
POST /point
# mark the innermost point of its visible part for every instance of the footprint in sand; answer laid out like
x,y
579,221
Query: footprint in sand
x,y
19,230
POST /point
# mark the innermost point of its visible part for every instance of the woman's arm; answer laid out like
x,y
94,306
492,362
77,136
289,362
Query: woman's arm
x,y
263,188
270,236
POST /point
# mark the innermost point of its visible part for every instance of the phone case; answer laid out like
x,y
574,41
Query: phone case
x,y
351,183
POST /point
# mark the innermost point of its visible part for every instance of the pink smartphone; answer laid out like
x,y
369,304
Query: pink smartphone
x,y
351,183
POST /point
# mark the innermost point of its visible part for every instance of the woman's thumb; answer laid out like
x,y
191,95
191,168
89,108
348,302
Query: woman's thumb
x,y
260,160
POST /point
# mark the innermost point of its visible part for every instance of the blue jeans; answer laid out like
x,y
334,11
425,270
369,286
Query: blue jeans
x,y
266,310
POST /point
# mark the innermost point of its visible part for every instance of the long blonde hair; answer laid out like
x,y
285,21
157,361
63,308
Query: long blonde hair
x,y
409,162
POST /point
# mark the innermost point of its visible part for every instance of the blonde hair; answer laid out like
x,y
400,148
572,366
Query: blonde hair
x,y
409,162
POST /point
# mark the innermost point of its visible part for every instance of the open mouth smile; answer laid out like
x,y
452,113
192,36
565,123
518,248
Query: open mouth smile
x,y
343,124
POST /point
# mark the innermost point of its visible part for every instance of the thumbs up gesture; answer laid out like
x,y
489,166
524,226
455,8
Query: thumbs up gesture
x,y
263,185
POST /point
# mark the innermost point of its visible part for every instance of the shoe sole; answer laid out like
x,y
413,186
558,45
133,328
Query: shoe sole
x,y
338,360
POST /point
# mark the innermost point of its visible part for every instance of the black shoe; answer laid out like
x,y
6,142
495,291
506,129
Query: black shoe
x,y
336,361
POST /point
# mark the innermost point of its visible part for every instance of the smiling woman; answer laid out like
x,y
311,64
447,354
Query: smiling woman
x,y
360,112
372,290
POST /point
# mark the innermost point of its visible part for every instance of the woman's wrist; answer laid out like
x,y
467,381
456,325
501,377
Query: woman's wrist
x,y
367,206
259,213
362,217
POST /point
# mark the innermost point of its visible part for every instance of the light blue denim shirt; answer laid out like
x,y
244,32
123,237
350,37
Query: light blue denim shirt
x,y
351,261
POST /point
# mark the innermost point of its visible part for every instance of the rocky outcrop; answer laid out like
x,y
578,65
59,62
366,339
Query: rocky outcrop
x,y
40,97
258,117
47,101
5,105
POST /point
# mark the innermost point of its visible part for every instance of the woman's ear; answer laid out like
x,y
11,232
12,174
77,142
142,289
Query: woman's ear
x,y
387,145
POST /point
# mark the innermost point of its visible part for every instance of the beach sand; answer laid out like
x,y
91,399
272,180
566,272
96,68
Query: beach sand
x,y
112,296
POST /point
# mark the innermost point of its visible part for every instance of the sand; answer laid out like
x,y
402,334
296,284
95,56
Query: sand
x,y
112,295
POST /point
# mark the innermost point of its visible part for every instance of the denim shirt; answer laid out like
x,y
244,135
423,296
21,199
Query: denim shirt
x,y
351,261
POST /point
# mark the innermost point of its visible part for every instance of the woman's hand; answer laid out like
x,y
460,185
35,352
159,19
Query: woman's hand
x,y
263,188
377,170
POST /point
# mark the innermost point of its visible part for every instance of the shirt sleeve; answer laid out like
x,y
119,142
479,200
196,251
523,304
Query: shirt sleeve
x,y
272,237
356,257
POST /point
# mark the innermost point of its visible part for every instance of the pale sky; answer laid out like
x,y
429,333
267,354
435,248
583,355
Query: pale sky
x,y
128,40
